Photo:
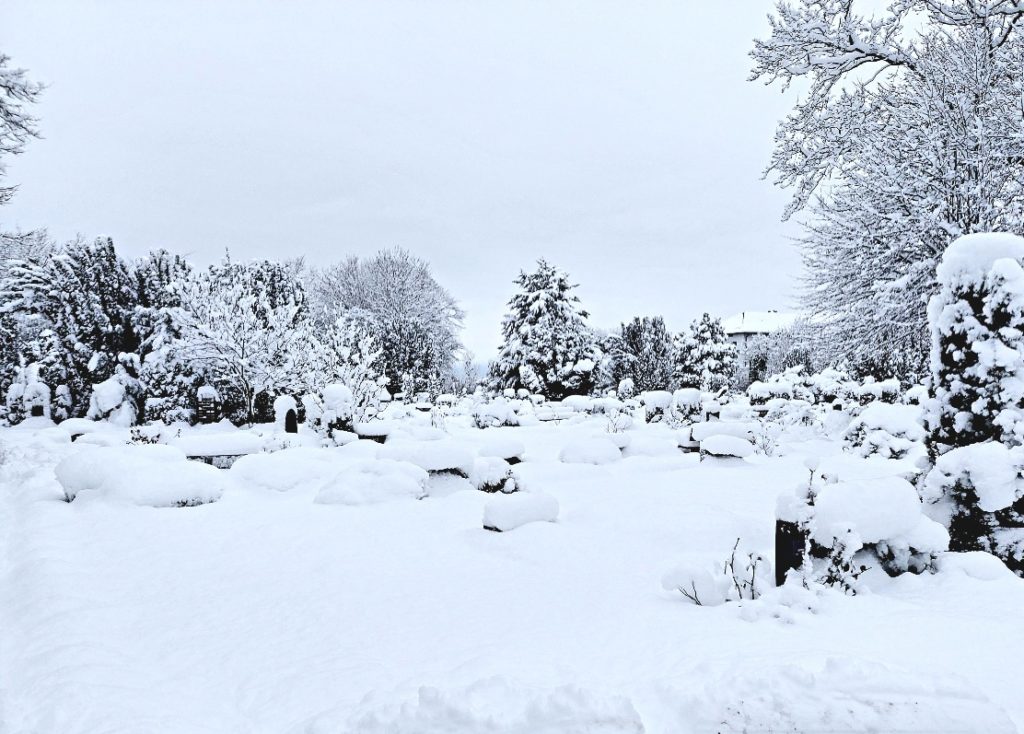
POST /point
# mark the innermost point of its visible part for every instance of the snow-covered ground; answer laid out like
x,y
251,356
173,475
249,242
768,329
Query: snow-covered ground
x,y
267,611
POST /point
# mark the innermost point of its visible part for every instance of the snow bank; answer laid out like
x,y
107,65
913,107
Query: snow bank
x,y
370,482
289,470
509,511
593,450
494,705
147,475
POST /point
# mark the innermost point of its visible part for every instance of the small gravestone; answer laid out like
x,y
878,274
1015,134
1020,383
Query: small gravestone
x,y
291,422
38,411
789,549
206,405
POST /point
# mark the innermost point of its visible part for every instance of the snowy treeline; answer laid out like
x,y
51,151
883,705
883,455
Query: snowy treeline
x,y
102,336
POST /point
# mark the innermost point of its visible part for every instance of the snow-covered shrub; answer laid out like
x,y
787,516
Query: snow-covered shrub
x,y
977,491
506,512
853,525
977,352
503,446
686,407
740,578
441,457
626,389
28,394
152,476
492,474
500,411
886,391
656,404
891,431
791,413
111,400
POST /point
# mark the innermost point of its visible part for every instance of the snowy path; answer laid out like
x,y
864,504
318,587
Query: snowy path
x,y
266,613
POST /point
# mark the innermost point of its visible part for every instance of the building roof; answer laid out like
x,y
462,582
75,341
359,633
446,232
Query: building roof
x,y
758,322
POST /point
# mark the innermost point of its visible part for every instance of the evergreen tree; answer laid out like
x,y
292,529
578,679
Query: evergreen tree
x,y
547,346
704,358
642,352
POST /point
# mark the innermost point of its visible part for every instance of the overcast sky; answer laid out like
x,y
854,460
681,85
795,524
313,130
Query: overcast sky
x,y
618,140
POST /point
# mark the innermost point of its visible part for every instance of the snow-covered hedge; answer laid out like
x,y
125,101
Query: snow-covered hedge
x,y
891,431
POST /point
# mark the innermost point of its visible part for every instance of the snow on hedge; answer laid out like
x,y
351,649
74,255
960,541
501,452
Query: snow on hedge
x,y
373,481
492,474
509,511
592,450
889,430
146,475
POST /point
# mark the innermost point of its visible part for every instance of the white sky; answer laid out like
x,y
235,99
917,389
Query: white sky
x,y
619,140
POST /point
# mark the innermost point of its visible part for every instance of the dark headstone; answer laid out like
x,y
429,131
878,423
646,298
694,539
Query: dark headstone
x,y
37,411
291,422
789,549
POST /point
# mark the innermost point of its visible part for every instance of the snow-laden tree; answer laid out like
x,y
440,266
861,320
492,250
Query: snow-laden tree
x,y
344,353
909,134
642,352
413,319
703,357
17,126
548,348
78,303
977,354
244,325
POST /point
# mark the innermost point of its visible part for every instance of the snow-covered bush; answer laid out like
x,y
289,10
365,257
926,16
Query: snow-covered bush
x,y
686,407
492,474
977,353
891,431
656,404
147,475
441,456
503,446
28,394
977,491
739,578
111,400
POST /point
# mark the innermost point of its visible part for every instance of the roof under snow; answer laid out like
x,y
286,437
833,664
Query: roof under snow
x,y
758,322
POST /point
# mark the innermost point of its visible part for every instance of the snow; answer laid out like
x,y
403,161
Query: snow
x,y
701,431
377,480
758,322
992,469
724,445
509,511
207,392
108,401
970,257
593,450
219,443
150,475
283,404
503,446
899,420
258,610
492,474
432,456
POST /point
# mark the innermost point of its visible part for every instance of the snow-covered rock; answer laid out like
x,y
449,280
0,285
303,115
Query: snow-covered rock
x,y
509,511
146,475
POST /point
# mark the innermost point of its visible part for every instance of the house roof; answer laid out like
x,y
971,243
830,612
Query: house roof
x,y
758,322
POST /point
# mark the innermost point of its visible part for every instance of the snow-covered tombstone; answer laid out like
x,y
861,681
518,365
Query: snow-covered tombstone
x,y
505,512
207,404
286,412
977,356
547,347
28,396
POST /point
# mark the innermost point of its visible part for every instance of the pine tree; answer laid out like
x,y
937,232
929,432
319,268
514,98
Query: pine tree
x,y
547,346
704,358
642,352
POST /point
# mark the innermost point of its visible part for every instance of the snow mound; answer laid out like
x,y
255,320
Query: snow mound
x,y
899,420
495,706
225,443
509,448
593,450
431,456
510,511
642,445
148,475
370,482
847,695
700,431
992,469
289,470
970,257
877,510
721,445
976,564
